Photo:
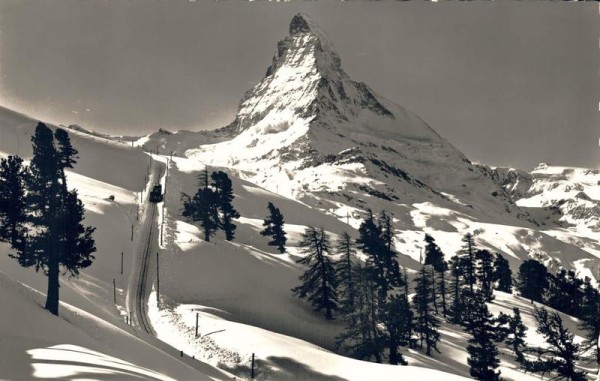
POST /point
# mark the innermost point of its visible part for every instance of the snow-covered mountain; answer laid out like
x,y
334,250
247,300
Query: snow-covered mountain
x,y
569,196
309,131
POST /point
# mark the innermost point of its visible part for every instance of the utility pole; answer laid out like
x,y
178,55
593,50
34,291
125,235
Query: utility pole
x,y
157,279
161,232
166,177
121,263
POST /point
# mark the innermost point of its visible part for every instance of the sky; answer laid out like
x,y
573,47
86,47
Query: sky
x,y
507,83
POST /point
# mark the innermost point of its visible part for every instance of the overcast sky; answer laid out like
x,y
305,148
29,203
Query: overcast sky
x,y
508,83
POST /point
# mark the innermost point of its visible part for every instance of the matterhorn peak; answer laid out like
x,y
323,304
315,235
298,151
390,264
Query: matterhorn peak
x,y
301,23
305,84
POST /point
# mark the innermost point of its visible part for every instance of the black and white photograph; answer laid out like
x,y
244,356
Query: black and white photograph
x,y
299,190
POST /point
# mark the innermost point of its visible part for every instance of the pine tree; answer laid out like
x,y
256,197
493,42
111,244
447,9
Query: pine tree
x,y
57,237
457,308
12,202
345,268
363,337
398,318
516,335
273,224
203,207
485,273
565,293
375,240
590,318
435,257
66,154
502,274
319,282
483,354
224,194
467,260
425,322
77,246
532,280
561,353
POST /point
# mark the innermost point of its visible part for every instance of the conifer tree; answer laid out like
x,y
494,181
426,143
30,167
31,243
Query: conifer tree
x,y
425,322
467,260
565,293
485,273
66,154
363,337
273,224
376,241
561,353
12,202
57,236
345,268
590,318
532,280
398,318
483,354
435,257
457,308
319,282
224,195
203,207
515,338
502,274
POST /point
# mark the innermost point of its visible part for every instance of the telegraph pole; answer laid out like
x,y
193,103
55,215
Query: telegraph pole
x,y
157,279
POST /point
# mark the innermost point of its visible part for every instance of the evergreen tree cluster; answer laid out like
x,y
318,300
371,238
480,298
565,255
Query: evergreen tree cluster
x,y
40,217
212,205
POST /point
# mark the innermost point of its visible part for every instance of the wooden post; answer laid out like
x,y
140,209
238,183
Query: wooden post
x,y
132,232
197,314
157,279
121,263
166,176
252,371
161,233
114,291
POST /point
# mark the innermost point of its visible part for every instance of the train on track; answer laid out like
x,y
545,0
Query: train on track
x,y
156,193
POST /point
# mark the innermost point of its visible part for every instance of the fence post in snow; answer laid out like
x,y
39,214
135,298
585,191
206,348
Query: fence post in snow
x,y
132,232
121,263
196,324
252,369
114,291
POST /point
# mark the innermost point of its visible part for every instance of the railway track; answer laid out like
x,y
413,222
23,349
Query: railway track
x,y
141,291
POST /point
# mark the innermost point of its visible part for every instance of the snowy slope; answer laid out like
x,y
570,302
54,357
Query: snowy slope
x,y
78,345
35,344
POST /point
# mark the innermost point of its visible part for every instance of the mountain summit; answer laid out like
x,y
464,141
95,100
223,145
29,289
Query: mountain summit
x,y
308,129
